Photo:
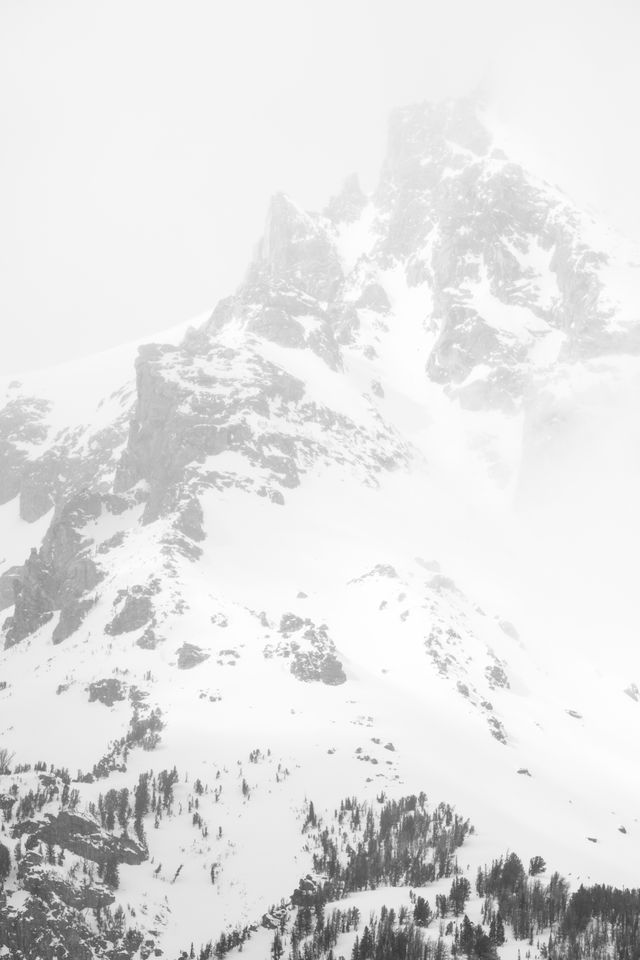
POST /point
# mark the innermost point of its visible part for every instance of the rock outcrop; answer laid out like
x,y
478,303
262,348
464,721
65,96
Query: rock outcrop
x,y
81,836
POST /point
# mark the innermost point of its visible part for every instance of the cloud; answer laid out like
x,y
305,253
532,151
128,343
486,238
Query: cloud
x,y
143,139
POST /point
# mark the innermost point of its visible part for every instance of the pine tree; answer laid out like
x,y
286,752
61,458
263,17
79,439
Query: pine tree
x,y
467,936
459,894
536,865
422,912
5,863
111,873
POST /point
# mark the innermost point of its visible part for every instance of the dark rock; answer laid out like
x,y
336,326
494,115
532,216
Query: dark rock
x,y
497,730
497,676
8,582
58,575
149,639
71,618
136,609
290,622
374,297
81,836
347,206
34,595
189,655
312,653
47,884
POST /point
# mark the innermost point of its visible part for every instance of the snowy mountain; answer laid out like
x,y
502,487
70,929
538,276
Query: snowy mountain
x,y
265,562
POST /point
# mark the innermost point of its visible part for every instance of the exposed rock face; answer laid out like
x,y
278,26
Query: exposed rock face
x,y
348,205
47,884
189,656
136,609
41,929
49,916
83,837
34,598
22,423
44,467
309,648
72,616
7,589
207,400
295,249
60,574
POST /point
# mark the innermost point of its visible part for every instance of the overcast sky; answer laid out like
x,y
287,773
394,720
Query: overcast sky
x,y
141,139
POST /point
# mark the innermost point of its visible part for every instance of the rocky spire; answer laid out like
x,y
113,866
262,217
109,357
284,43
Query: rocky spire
x,y
426,134
347,205
295,249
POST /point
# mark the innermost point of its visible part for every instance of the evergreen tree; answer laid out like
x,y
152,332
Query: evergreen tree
x,y
536,865
5,863
111,873
467,936
422,912
459,894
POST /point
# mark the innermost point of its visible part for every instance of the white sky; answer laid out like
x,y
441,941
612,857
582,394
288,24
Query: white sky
x,y
140,140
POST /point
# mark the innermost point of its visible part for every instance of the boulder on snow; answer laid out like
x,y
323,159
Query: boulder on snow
x,y
189,655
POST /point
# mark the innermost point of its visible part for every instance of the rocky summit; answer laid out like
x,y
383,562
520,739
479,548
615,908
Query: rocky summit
x,y
276,590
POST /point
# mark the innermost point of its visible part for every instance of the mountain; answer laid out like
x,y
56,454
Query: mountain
x,y
263,562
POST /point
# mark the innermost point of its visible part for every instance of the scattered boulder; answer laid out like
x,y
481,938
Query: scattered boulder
x,y
496,675
149,639
497,730
310,650
136,610
189,656
290,623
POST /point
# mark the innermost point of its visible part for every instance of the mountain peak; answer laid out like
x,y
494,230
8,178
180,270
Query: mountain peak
x,y
425,133
295,249
347,205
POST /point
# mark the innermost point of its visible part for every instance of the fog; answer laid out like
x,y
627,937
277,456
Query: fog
x,y
141,140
